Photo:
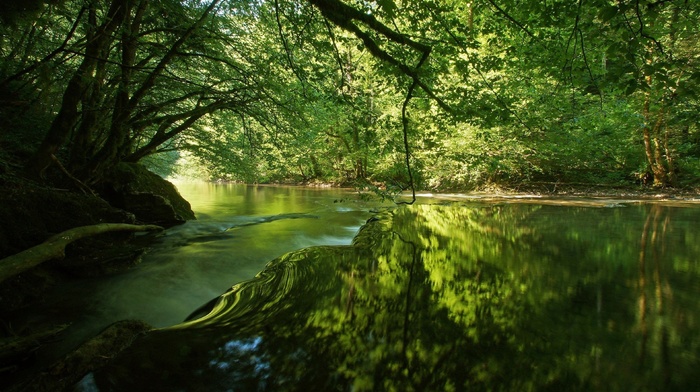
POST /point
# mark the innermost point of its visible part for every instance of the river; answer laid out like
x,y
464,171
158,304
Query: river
x,y
239,229
457,292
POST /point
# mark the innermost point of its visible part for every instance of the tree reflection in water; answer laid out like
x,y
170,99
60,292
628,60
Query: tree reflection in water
x,y
496,297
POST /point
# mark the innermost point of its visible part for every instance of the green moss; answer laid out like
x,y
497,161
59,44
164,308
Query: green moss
x,y
128,179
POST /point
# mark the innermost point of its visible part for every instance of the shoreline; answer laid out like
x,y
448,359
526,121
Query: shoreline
x,y
533,190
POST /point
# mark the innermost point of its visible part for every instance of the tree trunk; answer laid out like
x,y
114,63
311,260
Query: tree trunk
x,y
651,129
55,246
656,131
653,153
68,115
119,128
116,147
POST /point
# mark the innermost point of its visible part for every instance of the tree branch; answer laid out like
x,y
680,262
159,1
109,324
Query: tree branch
x,y
510,18
51,55
343,15
286,45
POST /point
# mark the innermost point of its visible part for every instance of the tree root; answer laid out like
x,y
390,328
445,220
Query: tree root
x,y
21,346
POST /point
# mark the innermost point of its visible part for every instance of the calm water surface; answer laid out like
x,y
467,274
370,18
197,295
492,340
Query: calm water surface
x,y
498,295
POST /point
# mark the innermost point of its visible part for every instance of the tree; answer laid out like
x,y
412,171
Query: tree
x,y
134,90
443,93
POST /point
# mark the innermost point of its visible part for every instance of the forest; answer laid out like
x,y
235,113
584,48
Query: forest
x,y
103,103
440,95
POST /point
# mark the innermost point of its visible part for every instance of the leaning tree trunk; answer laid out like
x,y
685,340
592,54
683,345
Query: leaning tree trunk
x,y
117,146
55,246
68,115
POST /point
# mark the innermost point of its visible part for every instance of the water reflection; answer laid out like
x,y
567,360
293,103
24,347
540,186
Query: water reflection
x,y
239,229
496,297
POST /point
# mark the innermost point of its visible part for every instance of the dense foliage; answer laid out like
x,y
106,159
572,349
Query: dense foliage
x,y
440,94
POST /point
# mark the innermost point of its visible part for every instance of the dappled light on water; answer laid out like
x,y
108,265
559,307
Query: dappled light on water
x,y
448,297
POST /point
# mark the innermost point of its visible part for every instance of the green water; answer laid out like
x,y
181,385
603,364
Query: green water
x,y
476,296
238,230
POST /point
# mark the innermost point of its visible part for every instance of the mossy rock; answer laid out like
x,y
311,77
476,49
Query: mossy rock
x,y
30,214
148,196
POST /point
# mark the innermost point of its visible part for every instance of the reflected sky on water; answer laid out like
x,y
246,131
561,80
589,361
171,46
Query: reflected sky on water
x,y
471,296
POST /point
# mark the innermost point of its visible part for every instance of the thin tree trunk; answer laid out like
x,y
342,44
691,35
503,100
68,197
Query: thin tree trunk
x,y
115,148
68,115
650,132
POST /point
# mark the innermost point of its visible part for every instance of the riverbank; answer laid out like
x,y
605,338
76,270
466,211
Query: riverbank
x,y
530,188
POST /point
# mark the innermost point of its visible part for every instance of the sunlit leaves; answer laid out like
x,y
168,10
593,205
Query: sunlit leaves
x,y
547,91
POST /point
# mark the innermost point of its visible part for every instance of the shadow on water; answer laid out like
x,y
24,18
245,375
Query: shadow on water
x,y
496,297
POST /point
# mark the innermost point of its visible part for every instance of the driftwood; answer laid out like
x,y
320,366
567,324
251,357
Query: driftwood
x,y
55,246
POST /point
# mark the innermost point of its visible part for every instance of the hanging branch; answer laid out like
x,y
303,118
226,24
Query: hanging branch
x,y
338,57
510,18
404,123
643,34
590,73
343,16
568,42
285,44
407,151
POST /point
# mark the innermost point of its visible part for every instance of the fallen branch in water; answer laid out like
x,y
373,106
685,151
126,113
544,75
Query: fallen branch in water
x,y
54,247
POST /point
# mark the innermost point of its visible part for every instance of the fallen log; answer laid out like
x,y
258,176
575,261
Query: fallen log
x,y
54,247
